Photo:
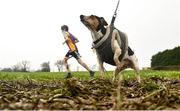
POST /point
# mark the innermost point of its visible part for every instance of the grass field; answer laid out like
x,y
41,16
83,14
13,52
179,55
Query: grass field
x,y
50,91
49,76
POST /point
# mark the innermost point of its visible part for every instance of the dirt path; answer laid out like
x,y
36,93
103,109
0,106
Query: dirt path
x,y
154,93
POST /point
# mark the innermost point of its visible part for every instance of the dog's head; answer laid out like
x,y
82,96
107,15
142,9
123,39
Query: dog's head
x,y
93,22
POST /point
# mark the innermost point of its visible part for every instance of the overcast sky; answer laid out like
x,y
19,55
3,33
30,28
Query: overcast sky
x,y
30,29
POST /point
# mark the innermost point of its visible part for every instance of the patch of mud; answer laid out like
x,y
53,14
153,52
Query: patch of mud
x,y
96,94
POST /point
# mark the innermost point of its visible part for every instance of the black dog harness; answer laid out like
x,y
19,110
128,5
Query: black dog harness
x,y
103,46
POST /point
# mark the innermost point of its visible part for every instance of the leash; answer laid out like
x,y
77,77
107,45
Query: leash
x,y
115,14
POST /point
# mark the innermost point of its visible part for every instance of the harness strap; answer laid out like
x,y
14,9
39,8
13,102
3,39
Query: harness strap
x,y
106,42
102,39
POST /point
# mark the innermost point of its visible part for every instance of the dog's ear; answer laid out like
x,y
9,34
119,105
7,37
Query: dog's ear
x,y
103,21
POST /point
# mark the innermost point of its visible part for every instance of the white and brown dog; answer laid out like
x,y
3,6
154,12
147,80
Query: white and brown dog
x,y
111,45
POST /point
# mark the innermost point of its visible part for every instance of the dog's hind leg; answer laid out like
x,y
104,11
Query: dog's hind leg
x,y
135,66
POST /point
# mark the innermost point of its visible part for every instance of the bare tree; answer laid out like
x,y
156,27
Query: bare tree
x,y
16,68
25,66
59,64
45,67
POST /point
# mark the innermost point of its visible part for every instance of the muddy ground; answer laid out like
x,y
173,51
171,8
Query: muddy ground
x,y
152,93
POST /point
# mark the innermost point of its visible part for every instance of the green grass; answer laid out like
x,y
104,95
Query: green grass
x,y
50,76
153,73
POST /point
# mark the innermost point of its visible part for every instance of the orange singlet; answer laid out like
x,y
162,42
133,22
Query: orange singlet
x,y
70,43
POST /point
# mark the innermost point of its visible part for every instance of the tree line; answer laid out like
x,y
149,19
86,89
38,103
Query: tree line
x,y
24,66
169,57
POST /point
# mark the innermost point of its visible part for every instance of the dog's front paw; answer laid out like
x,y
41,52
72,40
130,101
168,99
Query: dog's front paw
x,y
120,66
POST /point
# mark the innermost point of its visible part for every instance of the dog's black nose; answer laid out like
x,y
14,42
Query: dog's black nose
x,y
81,17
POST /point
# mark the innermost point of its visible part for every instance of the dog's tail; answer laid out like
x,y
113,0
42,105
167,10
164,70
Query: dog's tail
x,y
130,52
